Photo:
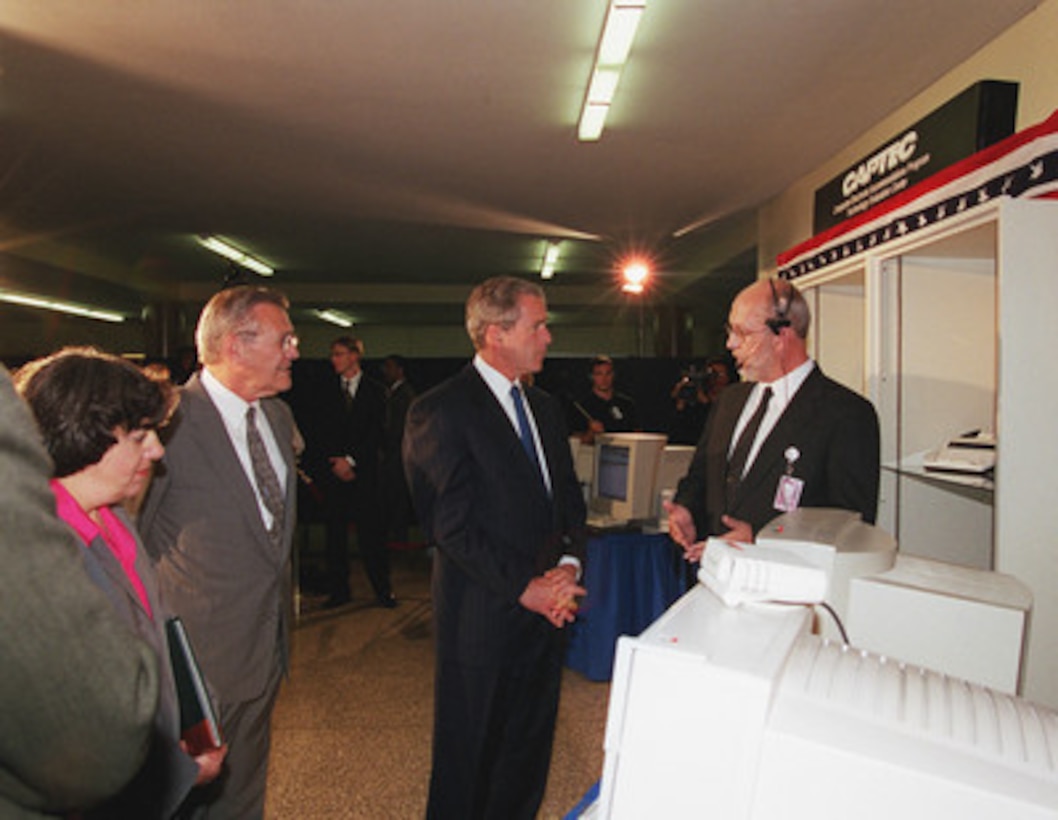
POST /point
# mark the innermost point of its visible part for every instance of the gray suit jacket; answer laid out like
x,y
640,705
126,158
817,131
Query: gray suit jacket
x,y
217,568
168,774
77,690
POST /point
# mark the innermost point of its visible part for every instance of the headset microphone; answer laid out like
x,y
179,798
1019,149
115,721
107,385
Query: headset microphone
x,y
781,306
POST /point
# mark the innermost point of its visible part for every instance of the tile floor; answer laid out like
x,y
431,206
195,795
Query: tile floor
x,y
351,733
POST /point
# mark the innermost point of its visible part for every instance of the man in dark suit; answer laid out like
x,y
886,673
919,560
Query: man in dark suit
x,y
219,520
396,499
492,480
810,442
343,457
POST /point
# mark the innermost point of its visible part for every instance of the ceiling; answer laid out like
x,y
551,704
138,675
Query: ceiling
x,y
386,156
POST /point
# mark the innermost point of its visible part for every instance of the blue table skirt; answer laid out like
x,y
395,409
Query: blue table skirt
x,y
585,803
631,579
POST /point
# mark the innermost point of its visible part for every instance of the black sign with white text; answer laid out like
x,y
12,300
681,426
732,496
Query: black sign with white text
x,y
980,116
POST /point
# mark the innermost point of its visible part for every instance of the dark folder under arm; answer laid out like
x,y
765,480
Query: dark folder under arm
x,y
198,719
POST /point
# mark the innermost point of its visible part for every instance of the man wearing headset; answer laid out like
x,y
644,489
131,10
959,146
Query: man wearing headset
x,y
785,437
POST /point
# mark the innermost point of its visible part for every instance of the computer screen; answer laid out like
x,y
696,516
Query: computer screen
x,y
625,475
613,471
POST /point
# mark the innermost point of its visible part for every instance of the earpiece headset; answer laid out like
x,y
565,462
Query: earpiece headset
x,y
781,306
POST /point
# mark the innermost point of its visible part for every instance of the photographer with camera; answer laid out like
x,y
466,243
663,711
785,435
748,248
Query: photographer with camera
x,y
693,397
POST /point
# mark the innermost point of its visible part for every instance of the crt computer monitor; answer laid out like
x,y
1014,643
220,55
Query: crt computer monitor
x,y
626,468
742,713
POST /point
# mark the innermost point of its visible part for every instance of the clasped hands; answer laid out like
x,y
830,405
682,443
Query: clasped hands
x,y
554,595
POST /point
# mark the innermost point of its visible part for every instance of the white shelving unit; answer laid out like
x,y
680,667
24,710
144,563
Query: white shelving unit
x,y
951,330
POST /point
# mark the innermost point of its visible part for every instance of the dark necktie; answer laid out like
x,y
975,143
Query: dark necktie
x,y
264,474
736,465
347,393
525,432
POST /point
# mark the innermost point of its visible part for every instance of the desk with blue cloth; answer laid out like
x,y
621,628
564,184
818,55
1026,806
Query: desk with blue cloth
x,y
631,579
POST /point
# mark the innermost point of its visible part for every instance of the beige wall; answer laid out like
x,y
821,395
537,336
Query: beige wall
x,y
1027,53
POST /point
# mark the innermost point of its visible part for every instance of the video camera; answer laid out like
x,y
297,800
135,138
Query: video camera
x,y
693,380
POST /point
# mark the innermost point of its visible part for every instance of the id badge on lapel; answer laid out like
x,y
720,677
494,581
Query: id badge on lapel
x,y
788,493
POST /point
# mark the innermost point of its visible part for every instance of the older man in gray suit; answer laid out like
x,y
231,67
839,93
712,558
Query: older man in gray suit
x,y
219,520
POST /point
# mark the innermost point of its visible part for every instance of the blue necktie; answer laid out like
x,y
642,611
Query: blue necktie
x,y
525,432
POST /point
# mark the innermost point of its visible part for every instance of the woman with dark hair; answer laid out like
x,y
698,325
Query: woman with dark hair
x,y
99,416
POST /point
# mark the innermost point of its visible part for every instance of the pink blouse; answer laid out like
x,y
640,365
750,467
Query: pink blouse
x,y
115,535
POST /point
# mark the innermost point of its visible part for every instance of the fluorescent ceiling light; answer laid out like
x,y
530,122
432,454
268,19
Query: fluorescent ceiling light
x,y
335,317
235,255
603,86
592,121
619,30
59,306
547,270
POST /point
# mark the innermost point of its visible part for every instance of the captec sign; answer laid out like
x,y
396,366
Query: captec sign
x,y
981,115
890,158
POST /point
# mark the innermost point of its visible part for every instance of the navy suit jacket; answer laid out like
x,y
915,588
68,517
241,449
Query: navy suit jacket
x,y
355,431
484,505
836,433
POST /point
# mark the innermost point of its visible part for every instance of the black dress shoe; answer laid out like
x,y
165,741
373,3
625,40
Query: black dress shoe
x,y
387,601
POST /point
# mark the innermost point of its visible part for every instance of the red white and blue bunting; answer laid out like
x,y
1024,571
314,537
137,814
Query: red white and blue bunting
x,y
1024,164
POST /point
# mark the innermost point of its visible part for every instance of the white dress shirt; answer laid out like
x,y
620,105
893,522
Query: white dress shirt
x,y
500,386
232,411
352,384
782,392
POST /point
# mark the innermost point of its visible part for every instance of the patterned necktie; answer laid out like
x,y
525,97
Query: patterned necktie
x,y
265,475
736,465
525,432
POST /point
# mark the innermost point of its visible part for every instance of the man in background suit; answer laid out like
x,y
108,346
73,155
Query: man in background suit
x,y
219,520
343,457
816,444
396,499
492,480
78,691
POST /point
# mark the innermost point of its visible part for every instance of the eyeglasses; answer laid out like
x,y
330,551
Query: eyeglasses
x,y
287,342
740,333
